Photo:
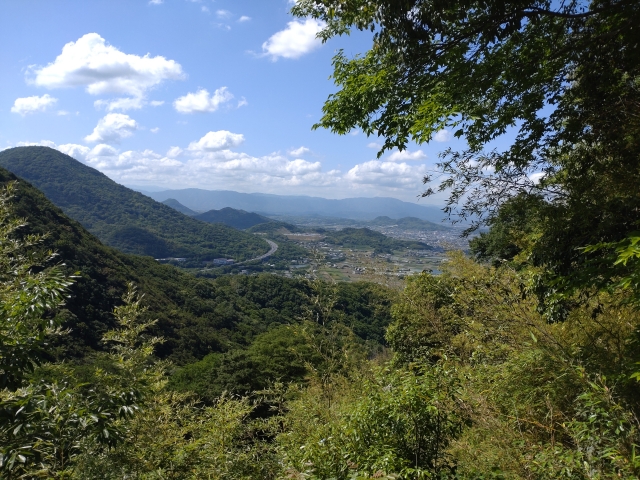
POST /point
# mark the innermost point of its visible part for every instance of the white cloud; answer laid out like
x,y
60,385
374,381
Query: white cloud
x,y
174,152
219,167
298,39
442,136
123,104
375,145
536,177
297,152
214,141
26,105
112,128
156,2
41,143
62,113
201,101
375,173
156,103
244,18
205,9
103,69
155,130
223,13
406,155
79,152
242,102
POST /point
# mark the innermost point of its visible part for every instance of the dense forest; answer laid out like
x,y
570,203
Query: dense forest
x,y
520,360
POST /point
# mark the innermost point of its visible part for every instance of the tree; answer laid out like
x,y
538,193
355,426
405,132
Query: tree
x,y
564,75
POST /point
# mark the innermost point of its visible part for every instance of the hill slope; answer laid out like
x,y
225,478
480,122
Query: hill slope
x,y
233,218
121,217
176,205
196,316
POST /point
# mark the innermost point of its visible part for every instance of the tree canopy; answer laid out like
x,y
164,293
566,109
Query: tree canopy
x,y
564,76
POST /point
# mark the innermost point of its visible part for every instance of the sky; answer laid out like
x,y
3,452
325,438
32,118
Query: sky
x,y
219,95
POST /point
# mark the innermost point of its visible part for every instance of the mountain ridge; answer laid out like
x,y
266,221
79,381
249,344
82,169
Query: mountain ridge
x,y
121,217
357,208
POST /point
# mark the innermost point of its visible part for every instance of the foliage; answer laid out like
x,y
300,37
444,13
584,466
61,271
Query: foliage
x,y
399,422
563,78
122,218
364,237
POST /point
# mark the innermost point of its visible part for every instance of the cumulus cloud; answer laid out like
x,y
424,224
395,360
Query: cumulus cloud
x,y
156,2
102,68
442,136
244,18
297,152
112,128
201,101
388,174
41,143
406,155
214,141
223,13
174,152
298,39
537,177
26,105
242,102
219,167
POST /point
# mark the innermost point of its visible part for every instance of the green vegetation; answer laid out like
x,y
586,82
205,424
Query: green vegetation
x,y
365,238
234,218
521,363
176,205
122,218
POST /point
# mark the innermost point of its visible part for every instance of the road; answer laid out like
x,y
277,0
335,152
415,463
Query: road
x,y
274,247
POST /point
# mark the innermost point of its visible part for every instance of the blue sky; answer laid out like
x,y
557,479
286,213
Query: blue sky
x,y
178,93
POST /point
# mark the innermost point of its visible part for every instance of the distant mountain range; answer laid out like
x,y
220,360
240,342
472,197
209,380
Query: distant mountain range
x,y
408,223
123,218
267,204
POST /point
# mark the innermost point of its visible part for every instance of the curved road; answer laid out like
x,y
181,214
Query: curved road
x,y
274,247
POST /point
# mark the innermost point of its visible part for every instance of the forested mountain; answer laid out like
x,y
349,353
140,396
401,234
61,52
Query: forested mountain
x,y
176,205
234,218
122,218
196,316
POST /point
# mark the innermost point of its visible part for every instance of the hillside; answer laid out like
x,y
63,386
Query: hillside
x,y
233,218
366,238
196,316
408,223
176,205
123,218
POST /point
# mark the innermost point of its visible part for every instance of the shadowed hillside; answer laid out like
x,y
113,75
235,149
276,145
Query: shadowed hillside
x,y
239,219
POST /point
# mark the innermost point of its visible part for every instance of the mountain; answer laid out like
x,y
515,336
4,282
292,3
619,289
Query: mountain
x,y
408,223
176,205
196,316
123,218
353,208
234,218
